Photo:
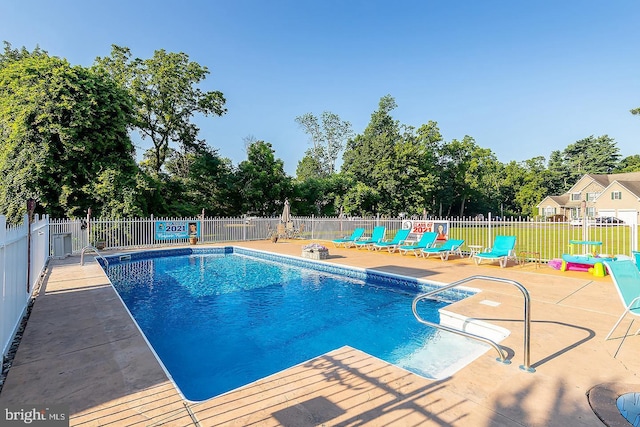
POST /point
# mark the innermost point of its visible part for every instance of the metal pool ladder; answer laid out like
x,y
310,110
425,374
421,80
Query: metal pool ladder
x,y
526,366
90,248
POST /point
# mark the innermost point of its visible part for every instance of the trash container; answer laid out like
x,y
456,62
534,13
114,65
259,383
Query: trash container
x,y
61,245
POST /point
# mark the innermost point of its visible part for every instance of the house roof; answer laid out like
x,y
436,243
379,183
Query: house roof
x,y
629,180
560,200
607,180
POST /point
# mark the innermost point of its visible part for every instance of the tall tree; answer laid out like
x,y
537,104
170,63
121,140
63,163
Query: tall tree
x,y
166,97
367,158
534,187
363,152
591,155
200,180
470,178
327,137
318,196
262,182
628,164
309,168
64,139
513,178
560,173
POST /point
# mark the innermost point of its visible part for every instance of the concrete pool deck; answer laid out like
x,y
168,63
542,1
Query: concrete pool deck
x,y
81,349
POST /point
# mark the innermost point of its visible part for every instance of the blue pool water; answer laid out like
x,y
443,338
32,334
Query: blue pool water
x,y
220,321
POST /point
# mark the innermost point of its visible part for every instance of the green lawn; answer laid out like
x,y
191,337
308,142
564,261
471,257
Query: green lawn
x,y
550,240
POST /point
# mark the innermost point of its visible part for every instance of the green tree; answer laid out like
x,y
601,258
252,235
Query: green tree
x,y
367,158
534,186
513,178
309,168
628,164
560,174
64,139
261,181
327,138
591,155
195,181
318,196
458,175
363,152
361,199
409,177
166,97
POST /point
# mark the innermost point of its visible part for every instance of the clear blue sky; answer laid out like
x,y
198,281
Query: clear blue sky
x,y
523,78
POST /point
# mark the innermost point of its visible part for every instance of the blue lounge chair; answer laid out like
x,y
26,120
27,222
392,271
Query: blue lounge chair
x,y
357,234
447,248
426,241
626,277
376,237
392,245
502,250
636,257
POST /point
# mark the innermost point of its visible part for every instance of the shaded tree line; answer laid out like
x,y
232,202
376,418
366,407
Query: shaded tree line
x,y
65,140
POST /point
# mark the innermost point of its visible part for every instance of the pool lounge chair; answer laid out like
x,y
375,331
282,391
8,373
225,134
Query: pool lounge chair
x,y
626,278
426,241
376,237
447,248
502,250
392,245
357,234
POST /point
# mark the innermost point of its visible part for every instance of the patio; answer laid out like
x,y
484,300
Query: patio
x,y
80,348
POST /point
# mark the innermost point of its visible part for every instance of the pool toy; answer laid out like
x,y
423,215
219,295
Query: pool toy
x,y
555,263
591,263
586,263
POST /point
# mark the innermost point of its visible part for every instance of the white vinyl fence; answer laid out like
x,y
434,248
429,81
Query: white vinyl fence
x,y
548,239
21,265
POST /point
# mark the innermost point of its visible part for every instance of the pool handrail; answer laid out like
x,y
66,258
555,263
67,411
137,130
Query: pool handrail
x,y
92,249
526,366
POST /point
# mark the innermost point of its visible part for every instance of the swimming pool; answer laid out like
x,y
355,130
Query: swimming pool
x,y
215,329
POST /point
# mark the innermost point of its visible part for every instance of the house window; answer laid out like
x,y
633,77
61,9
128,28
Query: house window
x,y
548,211
592,196
575,196
616,195
591,212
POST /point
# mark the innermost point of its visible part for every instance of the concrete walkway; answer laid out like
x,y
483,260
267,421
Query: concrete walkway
x,y
80,348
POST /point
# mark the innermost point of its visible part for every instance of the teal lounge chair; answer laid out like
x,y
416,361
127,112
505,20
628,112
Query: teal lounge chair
x,y
392,245
502,250
447,248
626,277
357,234
426,241
636,257
376,237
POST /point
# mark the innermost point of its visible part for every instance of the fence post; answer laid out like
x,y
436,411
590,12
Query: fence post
x,y
312,224
27,220
489,228
244,229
